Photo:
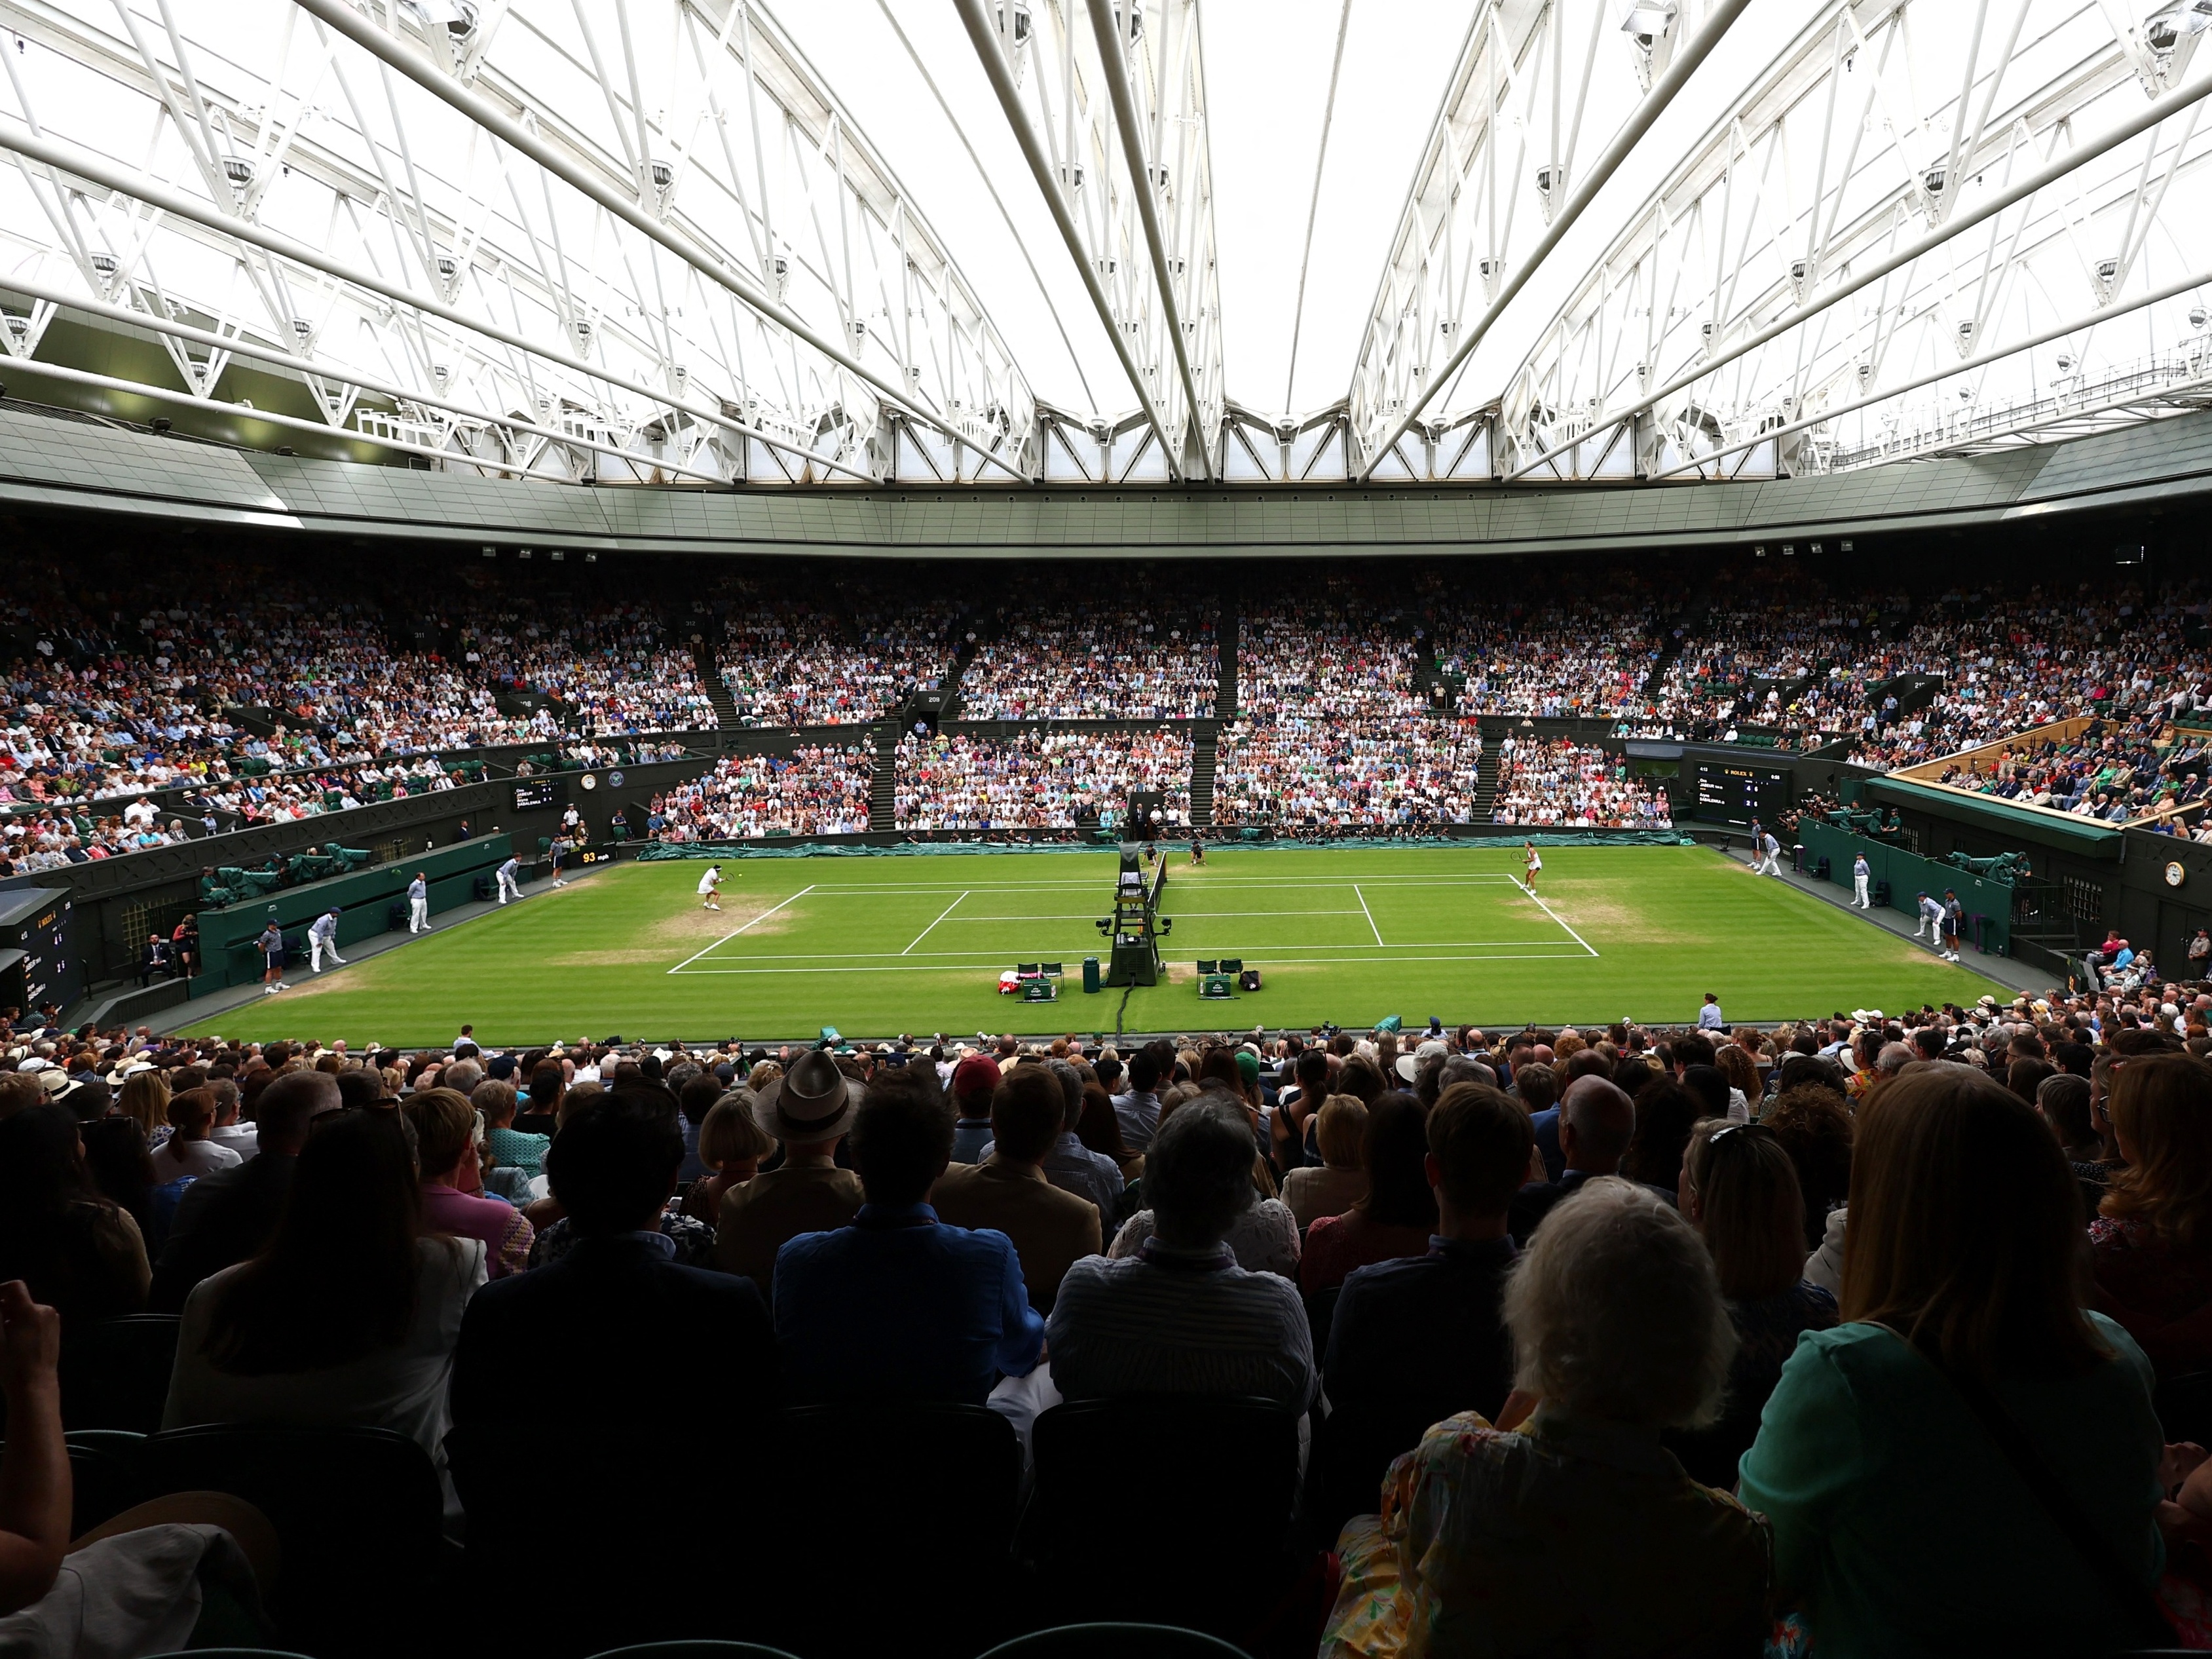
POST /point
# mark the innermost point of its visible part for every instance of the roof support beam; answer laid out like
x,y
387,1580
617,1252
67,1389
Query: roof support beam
x,y
237,345
1863,275
1982,360
983,34
1105,27
69,158
386,48
1686,62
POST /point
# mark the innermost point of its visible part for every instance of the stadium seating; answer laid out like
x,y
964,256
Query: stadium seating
x,y
1101,1467
357,1514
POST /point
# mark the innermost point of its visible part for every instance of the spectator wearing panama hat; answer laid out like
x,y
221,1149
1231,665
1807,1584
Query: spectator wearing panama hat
x,y
808,1109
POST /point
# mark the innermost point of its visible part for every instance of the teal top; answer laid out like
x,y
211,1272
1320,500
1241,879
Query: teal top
x,y
1904,1530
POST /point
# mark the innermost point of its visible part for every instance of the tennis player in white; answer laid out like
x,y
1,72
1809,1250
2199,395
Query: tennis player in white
x,y
710,887
1534,862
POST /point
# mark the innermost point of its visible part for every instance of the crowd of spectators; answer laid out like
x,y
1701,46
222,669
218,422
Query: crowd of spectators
x,y
1352,773
118,683
1575,656
818,789
1559,782
1330,653
1072,659
1606,1338
793,661
1038,779
2015,658
614,671
2114,771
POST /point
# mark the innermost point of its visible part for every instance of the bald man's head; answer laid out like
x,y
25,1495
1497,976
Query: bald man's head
x,y
1596,1119
284,1108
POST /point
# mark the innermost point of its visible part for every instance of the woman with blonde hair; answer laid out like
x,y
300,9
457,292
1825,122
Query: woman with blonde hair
x,y
1338,1181
1576,1532
732,1145
1739,1188
1965,1380
2152,1238
145,1099
1742,1074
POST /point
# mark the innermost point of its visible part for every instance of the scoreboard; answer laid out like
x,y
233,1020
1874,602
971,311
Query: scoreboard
x,y
538,792
38,949
1730,793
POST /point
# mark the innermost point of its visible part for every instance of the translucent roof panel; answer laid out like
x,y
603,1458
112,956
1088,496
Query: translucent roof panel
x,y
851,241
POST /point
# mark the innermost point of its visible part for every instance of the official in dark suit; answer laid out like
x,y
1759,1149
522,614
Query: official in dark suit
x,y
567,1342
577,1394
229,1216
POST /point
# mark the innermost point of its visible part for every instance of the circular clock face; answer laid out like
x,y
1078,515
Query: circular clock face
x,y
2175,875
588,781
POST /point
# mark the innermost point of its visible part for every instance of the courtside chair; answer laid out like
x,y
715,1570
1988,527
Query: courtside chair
x,y
858,1472
358,1513
115,1372
702,1544
1354,1449
104,1477
1116,1642
1100,1466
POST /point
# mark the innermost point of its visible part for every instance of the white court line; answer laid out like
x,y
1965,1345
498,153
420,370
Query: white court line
x,y
960,956
932,928
726,937
1368,913
1180,916
1468,881
1554,914
1264,962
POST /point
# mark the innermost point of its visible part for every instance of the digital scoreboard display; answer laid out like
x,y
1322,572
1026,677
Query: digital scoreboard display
x,y
534,792
1736,795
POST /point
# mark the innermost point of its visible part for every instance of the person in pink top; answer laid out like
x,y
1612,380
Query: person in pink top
x,y
445,1142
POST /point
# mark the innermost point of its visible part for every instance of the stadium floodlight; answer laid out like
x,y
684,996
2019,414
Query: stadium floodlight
x,y
2170,25
1647,20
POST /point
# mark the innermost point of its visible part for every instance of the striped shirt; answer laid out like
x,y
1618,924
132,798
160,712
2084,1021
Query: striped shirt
x,y
1168,1321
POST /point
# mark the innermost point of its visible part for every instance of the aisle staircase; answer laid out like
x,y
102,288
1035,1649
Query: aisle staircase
x,y
718,692
1485,779
882,798
1203,754
1225,636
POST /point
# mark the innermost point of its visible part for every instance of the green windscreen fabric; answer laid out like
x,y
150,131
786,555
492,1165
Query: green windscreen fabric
x,y
1909,876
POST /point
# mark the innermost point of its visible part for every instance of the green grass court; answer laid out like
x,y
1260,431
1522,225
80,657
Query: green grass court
x,y
879,946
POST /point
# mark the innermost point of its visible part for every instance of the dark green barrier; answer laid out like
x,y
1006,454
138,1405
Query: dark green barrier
x,y
364,899
1908,873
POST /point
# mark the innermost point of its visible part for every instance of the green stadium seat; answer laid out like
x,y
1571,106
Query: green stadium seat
x,y
115,1373
1206,964
1116,1642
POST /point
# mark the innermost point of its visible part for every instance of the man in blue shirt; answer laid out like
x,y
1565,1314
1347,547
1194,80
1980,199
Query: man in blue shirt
x,y
1427,1328
896,1305
418,903
1709,1016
